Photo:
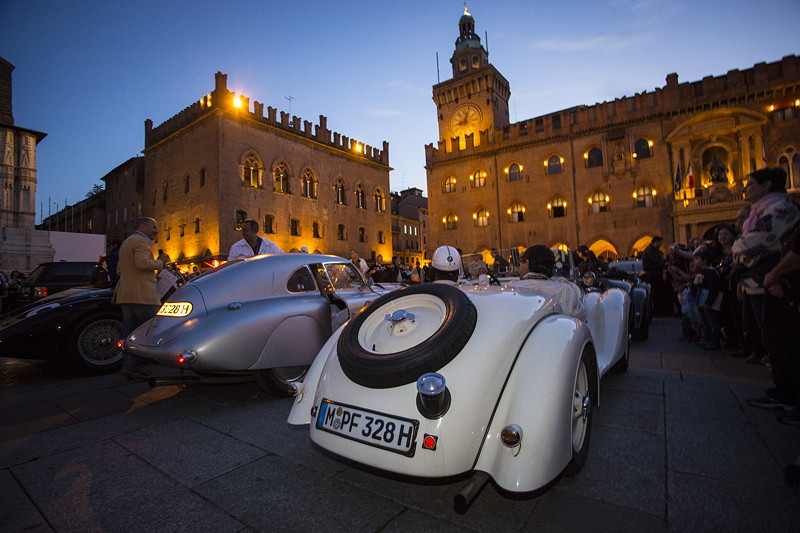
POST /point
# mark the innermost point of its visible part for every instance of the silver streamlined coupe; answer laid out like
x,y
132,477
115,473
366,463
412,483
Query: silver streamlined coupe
x,y
267,316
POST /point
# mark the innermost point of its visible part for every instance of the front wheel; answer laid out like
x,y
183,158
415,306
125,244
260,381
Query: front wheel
x,y
276,381
94,343
581,418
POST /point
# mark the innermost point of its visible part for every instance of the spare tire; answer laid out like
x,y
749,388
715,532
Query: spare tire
x,y
405,334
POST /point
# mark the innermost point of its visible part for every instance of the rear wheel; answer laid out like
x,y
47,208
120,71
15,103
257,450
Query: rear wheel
x,y
94,343
276,381
581,418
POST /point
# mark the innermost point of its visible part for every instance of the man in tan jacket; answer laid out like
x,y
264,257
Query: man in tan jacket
x,y
136,292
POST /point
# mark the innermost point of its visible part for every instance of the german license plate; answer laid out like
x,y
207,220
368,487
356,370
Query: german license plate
x,y
175,309
384,431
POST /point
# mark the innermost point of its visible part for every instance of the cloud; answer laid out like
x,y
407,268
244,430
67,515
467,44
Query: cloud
x,y
606,41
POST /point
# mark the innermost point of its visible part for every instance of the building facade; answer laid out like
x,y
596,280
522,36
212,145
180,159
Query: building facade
x,y
671,162
219,162
410,227
124,196
22,247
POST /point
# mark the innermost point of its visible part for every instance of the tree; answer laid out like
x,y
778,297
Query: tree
x,y
96,189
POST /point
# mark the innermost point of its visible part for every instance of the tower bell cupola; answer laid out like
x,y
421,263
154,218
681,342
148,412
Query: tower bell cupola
x,y
469,55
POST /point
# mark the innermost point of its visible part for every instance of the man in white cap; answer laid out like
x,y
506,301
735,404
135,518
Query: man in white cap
x,y
445,265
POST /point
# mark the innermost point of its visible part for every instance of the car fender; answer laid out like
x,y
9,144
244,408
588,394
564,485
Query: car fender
x,y
608,323
293,342
306,398
538,398
638,304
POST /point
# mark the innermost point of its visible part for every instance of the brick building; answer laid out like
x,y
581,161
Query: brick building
x,y
123,197
217,163
410,227
610,175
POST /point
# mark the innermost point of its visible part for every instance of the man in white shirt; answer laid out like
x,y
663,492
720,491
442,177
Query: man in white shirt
x,y
358,262
251,244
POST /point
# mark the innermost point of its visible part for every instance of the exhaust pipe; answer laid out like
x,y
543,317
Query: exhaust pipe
x,y
466,496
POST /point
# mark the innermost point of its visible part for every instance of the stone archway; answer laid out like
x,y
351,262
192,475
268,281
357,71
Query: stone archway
x,y
604,250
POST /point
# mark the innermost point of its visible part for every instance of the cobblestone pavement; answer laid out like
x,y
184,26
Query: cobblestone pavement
x,y
674,448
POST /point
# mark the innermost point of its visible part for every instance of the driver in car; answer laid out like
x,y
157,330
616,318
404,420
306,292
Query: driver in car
x,y
535,271
445,265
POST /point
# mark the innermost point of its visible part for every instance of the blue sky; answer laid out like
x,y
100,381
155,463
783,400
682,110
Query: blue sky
x,y
89,73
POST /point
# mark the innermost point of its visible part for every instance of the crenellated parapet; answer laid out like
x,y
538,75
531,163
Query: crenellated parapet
x,y
764,83
232,104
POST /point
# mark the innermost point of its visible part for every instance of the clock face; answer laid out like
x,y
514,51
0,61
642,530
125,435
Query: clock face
x,y
465,120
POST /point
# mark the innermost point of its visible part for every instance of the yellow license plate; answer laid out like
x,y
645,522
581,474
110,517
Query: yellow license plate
x,y
175,309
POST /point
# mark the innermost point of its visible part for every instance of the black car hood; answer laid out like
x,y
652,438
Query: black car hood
x,y
66,297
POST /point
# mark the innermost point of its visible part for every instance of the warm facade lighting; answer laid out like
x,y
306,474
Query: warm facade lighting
x,y
772,108
590,201
549,206
586,155
237,100
634,194
650,144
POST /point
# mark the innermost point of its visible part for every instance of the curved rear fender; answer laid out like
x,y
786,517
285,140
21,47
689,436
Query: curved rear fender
x,y
638,303
608,323
293,342
306,398
537,398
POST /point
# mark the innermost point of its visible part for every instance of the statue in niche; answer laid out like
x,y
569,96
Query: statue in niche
x,y
718,170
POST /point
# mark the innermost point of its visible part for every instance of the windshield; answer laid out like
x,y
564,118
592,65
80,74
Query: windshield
x,y
344,276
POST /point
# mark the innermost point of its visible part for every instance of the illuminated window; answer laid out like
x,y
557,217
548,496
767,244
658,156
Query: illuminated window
x,y
514,172
462,65
516,213
599,202
340,191
281,176
240,217
478,179
251,171
380,201
315,229
361,198
450,221
449,184
594,158
554,165
269,224
481,218
340,232
644,196
362,235
309,184
294,227
642,149
475,62
557,208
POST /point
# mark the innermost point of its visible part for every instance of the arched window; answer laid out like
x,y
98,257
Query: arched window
x,y
361,198
478,179
462,65
475,62
449,184
516,213
594,158
789,161
514,172
557,207
294,227
481,217
251,171
450,221
599,202
240,217
642,149
362,235
341,192
340,232
309,184
554,165
644,196
281,176
316,230
269,224
380,201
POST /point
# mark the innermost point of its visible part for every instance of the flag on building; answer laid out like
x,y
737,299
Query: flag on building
x,y
678,179
689,177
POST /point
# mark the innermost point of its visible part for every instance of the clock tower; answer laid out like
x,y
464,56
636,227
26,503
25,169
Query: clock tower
x,y
476,98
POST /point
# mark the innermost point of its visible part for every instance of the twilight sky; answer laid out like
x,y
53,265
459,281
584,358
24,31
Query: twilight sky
x,y
88,73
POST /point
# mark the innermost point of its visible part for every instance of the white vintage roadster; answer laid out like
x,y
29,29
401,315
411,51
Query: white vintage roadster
x,y
437,380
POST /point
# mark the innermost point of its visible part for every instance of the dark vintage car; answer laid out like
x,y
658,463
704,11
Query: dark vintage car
x,y
267,316
80,325
52,277
627,275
